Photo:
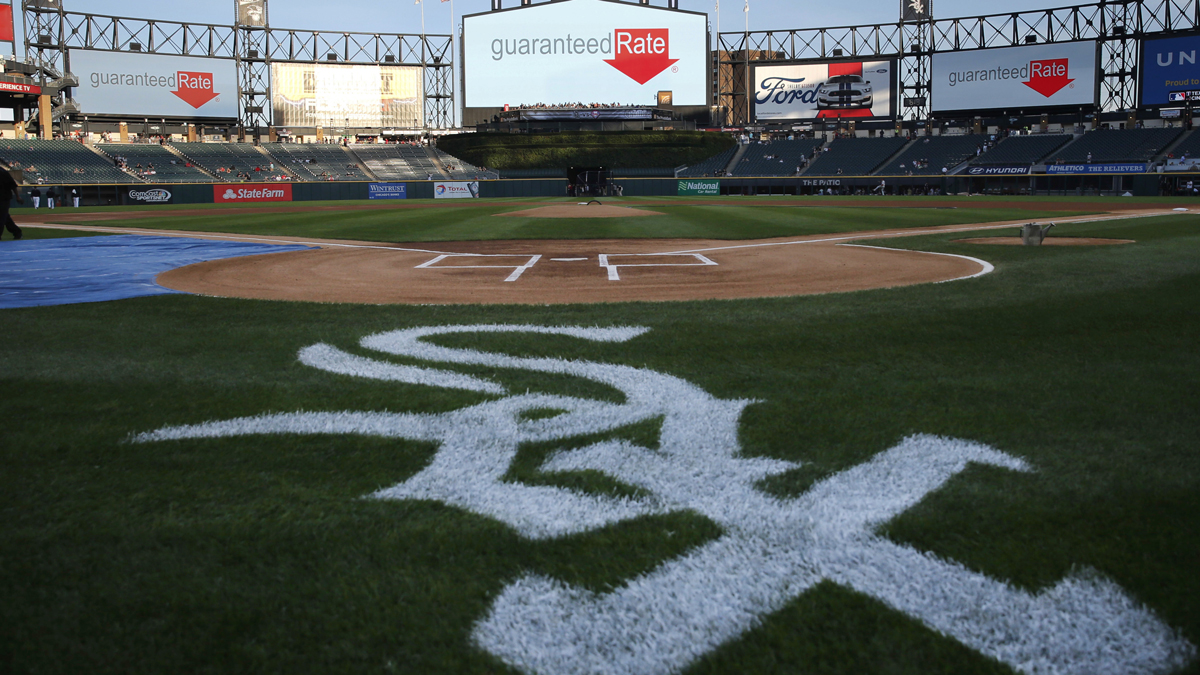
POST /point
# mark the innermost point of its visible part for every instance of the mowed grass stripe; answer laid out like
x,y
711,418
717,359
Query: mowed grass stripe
x,y
259,555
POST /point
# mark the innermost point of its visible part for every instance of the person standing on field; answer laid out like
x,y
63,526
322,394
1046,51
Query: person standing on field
x,y
75,197
51,195
36,196
8,190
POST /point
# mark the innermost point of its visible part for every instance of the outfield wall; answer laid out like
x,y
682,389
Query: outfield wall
x,y
1146,185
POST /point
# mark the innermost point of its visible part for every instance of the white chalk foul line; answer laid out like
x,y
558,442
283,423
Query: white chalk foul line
x,y
614,275
987,267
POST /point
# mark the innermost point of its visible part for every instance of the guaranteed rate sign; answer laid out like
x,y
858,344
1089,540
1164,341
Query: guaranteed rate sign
x,y
154,85
585,51
1015,78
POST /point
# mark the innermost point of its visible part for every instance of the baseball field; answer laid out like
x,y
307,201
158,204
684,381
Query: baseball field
x,y
657,435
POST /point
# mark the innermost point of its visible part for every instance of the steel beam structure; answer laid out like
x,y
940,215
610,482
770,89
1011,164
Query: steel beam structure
x,y
1118,26
50,32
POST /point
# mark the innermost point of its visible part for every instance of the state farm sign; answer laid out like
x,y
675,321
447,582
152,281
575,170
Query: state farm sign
x,y
230,194
557,53
1016,78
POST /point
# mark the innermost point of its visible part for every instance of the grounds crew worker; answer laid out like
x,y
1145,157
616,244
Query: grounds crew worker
x,y
8,190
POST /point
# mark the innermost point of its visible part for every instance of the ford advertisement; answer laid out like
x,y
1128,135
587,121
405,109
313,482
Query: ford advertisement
x,y
1170,75
1016,78
585,51
824,91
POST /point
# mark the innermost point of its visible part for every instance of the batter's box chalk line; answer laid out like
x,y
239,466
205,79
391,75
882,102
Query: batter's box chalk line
x,y
613,268
517,270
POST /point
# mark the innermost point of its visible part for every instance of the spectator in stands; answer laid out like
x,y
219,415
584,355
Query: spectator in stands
x,y
36,197
8,190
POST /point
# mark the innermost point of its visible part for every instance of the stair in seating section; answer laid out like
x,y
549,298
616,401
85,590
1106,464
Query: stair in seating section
x,y
737,157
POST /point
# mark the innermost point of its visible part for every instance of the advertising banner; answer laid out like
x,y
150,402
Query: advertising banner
x,y
1015,78
1096,168
1169,72
20,87
6,23
823,91
148,195
448,190
585,51
252,192
152,85
699,187
1008,170
387,191
329,95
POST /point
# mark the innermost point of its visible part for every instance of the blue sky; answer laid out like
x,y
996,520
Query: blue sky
x,y
404,16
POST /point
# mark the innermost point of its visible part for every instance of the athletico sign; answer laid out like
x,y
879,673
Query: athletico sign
x,y
1096,168
1015,77
151,84
230,194
699,187
558,51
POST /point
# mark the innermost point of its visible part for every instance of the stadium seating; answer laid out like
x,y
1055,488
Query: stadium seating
x,y
713,166
316,161
457,169
1189,146
159,165
1022,149
929,155
855,156
776,158
1126,145
227,160
60,162
398,162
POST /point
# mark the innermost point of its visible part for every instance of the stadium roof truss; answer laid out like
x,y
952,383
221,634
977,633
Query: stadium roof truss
x,y
1117,26
51,32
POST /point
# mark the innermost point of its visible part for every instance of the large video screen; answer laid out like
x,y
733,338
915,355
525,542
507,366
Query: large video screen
x,y
824,91
153,85
1170,75
329,95
1015,78
585,51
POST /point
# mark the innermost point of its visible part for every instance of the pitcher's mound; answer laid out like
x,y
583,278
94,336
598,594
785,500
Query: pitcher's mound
x,y
1048,241
581,211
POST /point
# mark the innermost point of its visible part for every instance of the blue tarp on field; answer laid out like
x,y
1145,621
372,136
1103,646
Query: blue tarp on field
x,y
40,272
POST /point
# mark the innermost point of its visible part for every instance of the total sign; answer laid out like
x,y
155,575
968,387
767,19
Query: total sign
x,y
1016,77
585,51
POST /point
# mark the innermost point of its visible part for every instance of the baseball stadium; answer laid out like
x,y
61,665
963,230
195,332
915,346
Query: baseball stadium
x,y
333,352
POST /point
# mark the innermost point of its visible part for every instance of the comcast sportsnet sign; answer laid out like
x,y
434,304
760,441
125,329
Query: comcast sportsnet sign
x,y
586,51
249,192
1016,78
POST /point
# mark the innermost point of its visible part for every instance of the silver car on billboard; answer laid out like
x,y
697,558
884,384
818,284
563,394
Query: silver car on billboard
x,y
844,91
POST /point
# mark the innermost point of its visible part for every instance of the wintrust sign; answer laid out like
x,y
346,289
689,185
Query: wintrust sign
x,y
1015,77
230,194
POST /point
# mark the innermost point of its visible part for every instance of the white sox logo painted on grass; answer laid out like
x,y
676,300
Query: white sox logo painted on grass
x,y
772,550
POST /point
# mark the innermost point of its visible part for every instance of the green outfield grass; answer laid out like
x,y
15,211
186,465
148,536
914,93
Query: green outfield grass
x,y
474,221
259,554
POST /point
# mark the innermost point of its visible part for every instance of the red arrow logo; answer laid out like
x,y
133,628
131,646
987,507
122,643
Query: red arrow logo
x,y
641,53
194,88
1048,77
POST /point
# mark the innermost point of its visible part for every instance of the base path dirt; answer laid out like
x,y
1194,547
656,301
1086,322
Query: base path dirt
x,y
1048,241
576,271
